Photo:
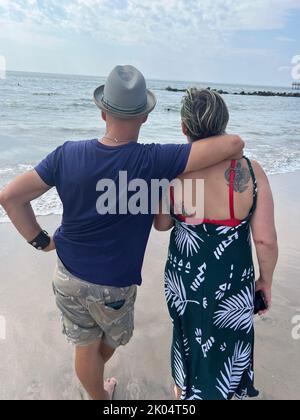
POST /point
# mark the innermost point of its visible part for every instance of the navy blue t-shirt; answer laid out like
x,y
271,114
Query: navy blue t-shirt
x,y
105,249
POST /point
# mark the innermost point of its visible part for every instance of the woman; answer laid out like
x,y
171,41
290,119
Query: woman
x,y
209,277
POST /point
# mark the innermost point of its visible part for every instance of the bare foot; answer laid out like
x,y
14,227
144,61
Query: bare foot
x,y
110,387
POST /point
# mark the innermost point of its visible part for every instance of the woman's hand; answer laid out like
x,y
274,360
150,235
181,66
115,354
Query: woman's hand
x,y
266,289
51,246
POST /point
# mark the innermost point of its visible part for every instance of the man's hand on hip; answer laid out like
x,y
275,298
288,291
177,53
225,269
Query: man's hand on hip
x,y
51,247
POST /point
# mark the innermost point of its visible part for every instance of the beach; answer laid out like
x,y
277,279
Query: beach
x,y
37,363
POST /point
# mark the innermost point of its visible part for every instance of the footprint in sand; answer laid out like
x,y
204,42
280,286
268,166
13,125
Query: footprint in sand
x,y
83,395
265,319
75,391
263,397
53,316
33,392
269,321
133,390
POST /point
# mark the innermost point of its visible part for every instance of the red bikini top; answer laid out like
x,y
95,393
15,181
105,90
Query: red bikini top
x,y
232,222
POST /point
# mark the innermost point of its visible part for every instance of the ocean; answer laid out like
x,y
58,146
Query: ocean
x,y
38,112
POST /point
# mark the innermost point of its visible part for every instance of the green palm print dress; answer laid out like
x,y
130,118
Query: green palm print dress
x,y
210,289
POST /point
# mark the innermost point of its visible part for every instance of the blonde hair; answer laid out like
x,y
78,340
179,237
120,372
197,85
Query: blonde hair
x,y
204,113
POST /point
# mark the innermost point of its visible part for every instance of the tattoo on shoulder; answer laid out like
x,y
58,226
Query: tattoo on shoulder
x,y
242,178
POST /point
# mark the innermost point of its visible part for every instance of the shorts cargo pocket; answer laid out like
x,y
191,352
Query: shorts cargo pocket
x,y
77,324
115,316
128,327
106,315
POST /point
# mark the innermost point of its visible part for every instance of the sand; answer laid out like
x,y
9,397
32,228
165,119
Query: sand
x,y
36,362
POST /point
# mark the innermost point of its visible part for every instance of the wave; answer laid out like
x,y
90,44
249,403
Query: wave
x,y
47,94
172,108
48,204
42,129
19,168
83,104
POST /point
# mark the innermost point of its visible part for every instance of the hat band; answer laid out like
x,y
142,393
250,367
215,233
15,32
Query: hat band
x,y
131,111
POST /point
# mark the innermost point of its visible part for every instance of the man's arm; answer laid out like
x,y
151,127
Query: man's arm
x,y
16,198
206,153
163,222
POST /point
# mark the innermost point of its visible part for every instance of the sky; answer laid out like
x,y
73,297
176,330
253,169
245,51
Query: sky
x,y
223,41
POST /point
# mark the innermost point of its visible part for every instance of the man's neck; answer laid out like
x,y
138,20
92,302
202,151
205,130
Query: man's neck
x,y
120,137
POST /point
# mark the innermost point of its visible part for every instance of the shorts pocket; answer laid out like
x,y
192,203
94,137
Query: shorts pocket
x,y
119,332
116,305
115,308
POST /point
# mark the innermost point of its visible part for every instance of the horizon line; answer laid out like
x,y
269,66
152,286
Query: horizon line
x,y
151,79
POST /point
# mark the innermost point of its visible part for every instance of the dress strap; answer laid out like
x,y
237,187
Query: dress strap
x,y
231,188
255,189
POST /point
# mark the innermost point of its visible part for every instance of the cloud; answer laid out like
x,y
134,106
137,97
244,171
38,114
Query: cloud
x,y
27,34
135,22
285,39
185,36
284,69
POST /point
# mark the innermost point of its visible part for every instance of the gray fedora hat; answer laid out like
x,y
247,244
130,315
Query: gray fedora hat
x,y
125,94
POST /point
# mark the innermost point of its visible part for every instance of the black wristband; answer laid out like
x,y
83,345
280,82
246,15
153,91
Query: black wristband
x,y
42,241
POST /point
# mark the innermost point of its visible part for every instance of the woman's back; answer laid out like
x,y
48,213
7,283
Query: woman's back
x,y
217,191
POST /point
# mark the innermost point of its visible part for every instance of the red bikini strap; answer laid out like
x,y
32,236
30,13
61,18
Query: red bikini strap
x,y
231,188
172,197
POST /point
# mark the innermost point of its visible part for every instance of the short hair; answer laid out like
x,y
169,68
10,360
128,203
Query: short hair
x,y
204,113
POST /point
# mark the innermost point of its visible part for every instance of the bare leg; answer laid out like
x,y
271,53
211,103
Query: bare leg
x,y
106,352
178,392
89,366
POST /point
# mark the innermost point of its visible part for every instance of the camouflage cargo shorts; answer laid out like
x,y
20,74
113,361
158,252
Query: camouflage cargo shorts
x,y
91,312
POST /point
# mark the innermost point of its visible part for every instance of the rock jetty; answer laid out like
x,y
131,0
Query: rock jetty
x,y
243,93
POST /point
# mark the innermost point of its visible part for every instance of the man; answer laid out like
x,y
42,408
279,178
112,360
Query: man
x,y
101,256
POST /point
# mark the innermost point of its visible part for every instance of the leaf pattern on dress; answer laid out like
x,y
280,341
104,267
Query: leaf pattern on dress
x,y
223,347
200,278
242,395
234,369
186,239
223,230
179,371
175,292
198,335
196,395
221,248
186,347
237,311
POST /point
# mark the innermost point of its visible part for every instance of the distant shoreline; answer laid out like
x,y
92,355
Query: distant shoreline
x,y
243,93
151,79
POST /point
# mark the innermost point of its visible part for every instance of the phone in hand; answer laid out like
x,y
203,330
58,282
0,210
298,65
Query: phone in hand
x,y
259,302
